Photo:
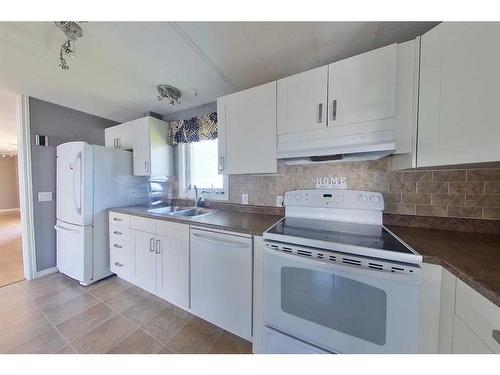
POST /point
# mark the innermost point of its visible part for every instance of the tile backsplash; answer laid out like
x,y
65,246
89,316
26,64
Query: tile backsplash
x,y
463,193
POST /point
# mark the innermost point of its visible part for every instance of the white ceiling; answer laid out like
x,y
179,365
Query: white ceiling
x,y
119,64
8,125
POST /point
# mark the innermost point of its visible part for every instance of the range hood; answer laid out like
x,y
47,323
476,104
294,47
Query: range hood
x,y
358,147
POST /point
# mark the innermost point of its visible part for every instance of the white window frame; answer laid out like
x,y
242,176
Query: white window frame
x,y
185,188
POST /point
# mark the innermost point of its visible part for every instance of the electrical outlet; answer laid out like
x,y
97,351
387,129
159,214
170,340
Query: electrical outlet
x,y
279,201
244,198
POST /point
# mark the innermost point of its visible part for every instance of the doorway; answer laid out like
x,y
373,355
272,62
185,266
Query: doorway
x,y
11,249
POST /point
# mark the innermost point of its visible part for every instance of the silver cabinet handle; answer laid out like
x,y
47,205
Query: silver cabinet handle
x,y
117,219
146,166
496,335
151,244
320,113
119,142
117,246
334,109
158,246
118,264
221,163
117,233
114,142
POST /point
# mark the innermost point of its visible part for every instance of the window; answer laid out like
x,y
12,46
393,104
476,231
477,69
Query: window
x,y
198,166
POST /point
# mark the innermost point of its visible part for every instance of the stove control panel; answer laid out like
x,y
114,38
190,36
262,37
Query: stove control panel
x,y
332,198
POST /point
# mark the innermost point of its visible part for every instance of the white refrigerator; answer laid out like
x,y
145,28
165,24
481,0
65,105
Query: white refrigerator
x,y
90,179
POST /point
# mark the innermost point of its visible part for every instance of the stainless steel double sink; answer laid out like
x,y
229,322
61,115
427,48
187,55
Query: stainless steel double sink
x,y
181,211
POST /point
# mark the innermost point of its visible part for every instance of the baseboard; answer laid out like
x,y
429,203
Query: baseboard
x,y
46,272
10,210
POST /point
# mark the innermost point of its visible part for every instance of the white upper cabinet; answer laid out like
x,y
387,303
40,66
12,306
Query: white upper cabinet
x,y
120,136
363,88
345,107
247,131
405,124
302,101
153,156
459,94
148,138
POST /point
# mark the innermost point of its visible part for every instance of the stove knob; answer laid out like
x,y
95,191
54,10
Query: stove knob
x,y
362,198
375,199
298,196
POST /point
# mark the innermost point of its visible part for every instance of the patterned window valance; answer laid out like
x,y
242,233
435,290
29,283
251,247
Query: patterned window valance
x,y
195,129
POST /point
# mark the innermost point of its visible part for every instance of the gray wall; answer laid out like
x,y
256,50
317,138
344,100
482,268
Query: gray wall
x,y
9,197
61,125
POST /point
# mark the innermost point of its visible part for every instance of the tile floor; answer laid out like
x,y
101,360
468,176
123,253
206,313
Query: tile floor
x,y
11,253
54,314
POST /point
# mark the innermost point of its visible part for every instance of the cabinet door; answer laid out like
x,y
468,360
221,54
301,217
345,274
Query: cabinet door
x,y
363,88
459,94
221,280
144,274
173,263
110,136
161,154
465,341
479,314
302,101
142,148
247,131
125,136
120,136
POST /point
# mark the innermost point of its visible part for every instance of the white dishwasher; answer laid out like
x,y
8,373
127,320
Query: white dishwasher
x,y
221,280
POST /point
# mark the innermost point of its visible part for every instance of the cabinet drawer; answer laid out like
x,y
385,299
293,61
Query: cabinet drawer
x,y
143,224
481,315
118,233
120,247
120,264
172,230
119,219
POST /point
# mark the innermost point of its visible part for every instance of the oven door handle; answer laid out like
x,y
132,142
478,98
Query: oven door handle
x,y
348,270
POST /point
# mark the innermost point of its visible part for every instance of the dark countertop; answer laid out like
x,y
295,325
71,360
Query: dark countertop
x,y
235,221
472,257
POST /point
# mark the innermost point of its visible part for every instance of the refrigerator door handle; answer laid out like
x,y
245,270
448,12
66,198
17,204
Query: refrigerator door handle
x,y
78,204
60,227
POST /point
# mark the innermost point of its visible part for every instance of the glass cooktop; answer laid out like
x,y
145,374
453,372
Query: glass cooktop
x,y
362,235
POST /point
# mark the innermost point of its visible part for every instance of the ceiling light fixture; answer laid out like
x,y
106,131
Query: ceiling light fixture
x,y
169,93
72,31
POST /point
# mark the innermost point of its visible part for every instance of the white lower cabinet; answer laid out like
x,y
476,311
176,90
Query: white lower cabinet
x,y
479,314
469,323
172,265
152,254
119,245
144,255
221,280
208,273
465,341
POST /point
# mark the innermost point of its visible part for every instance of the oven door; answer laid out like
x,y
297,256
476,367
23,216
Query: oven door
x,y
339,307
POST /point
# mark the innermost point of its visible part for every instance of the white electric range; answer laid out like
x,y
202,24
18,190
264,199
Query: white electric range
x,y
336,280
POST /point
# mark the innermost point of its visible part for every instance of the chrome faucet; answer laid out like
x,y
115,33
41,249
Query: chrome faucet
x,y
198,201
